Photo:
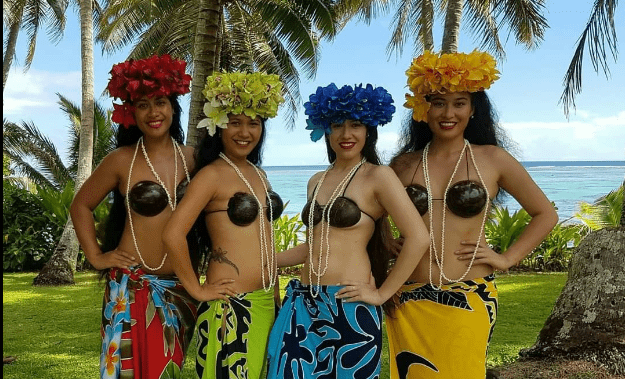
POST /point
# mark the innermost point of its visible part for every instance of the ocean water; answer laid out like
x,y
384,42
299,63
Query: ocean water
x,y
566,183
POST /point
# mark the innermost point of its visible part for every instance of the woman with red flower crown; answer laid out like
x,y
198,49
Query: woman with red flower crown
x,y
452,165
147,317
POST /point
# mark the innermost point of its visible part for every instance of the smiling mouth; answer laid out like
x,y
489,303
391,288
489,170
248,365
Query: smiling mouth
x,y
155,124
242,143
347,145
447,125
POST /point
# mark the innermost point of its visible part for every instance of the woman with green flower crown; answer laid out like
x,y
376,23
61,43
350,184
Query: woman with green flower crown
x,y
238,206
147,317
452,166
330,324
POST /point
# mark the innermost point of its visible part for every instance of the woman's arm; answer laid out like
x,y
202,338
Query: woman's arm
x,y
391,195
198,194
293,256
102,181
517,182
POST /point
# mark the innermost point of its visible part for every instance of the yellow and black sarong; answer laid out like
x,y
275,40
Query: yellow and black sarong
x,y
442,333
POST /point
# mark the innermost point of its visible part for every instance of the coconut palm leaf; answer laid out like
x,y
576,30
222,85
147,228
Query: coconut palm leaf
x,y
34,155
267,35
604,212
600,34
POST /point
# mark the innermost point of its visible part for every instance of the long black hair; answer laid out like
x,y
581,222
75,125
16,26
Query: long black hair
x,y
114,225
206,152
377,247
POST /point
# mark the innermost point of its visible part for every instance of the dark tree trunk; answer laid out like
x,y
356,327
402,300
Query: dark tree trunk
x,y
59,270
587,320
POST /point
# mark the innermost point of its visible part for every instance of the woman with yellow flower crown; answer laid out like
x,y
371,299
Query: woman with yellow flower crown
x,y
452,166
147,317
238,207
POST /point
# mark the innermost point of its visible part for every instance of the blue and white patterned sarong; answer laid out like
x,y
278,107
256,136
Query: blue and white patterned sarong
x,y
324,337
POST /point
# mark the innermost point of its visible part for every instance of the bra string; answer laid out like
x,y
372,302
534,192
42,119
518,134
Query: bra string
x,y
349,181
416,169
466,156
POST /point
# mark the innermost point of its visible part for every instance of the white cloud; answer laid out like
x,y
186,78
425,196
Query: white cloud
x,y
35,91
592,139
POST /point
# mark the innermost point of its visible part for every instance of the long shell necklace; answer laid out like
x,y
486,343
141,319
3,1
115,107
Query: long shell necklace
x,y
267,252
325,227
426,176
171,200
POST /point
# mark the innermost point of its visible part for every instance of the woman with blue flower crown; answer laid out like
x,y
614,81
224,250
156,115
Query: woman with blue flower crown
x,y
233,197
330,324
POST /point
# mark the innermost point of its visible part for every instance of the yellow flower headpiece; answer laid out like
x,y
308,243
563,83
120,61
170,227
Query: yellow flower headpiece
x,y
252,94
444,73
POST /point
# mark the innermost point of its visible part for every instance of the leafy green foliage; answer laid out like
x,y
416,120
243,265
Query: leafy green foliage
x,y
502,228
554,252
288,234
604,212
29,231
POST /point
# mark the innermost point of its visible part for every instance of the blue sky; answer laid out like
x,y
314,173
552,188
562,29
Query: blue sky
x,y
526,97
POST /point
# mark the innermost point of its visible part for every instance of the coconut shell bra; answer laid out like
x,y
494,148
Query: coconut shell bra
x,y
466,198
243,208
343,214
149,198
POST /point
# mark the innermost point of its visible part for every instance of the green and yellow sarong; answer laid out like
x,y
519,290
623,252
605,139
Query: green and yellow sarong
x,y
442,333
232,337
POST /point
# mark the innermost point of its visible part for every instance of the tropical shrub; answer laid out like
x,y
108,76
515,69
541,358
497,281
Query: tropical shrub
x,y
288,234
503,228
554,252
29,231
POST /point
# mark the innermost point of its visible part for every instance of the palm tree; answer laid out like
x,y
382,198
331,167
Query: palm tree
x,y
485,19
33,155
604,212
244,35
29,15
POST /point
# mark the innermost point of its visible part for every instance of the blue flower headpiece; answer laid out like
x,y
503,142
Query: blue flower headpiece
x,y
331,105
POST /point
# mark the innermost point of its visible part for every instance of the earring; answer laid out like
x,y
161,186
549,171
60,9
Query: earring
x,y
472,116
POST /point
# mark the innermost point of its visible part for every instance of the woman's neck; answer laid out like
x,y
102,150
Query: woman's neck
x,y
341,164
156,145
239,161
446,147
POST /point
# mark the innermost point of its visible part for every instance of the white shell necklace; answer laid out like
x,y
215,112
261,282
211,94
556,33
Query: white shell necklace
x,y
325,226
170,201
267,253
426,176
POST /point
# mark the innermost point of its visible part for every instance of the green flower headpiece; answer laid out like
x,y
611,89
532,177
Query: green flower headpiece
x,y
252,94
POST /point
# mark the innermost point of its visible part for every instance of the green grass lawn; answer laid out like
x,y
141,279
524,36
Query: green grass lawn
x,y
55,331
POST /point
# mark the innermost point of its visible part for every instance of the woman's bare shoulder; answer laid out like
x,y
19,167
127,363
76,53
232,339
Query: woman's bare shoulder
x,y
404,161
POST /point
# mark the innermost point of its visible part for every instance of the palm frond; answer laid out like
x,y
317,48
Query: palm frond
x,y
524,18
482,25
600,33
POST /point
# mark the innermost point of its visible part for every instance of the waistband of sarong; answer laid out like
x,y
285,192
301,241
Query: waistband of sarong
x,y
461,286
138,274
296,286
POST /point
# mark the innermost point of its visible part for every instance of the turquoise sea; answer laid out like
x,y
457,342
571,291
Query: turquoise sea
x,y
564,182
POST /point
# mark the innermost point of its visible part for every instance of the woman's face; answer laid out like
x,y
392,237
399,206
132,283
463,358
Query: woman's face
x,y
241,136
348,139
153,115
449,114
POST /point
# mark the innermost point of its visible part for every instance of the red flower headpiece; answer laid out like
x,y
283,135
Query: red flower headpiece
x,y
154,76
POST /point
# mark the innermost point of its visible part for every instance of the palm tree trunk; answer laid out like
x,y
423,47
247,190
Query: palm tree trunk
x,y
60,268
14,31
427,12
204,58
452,26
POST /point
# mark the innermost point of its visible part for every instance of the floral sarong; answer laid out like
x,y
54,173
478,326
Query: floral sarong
x,y
442,333
324,337
232,337
147,325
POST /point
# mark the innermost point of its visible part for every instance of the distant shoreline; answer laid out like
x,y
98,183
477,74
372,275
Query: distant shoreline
x,y
525,163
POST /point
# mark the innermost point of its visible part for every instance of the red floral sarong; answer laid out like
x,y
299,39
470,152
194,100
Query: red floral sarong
x,y
147,324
